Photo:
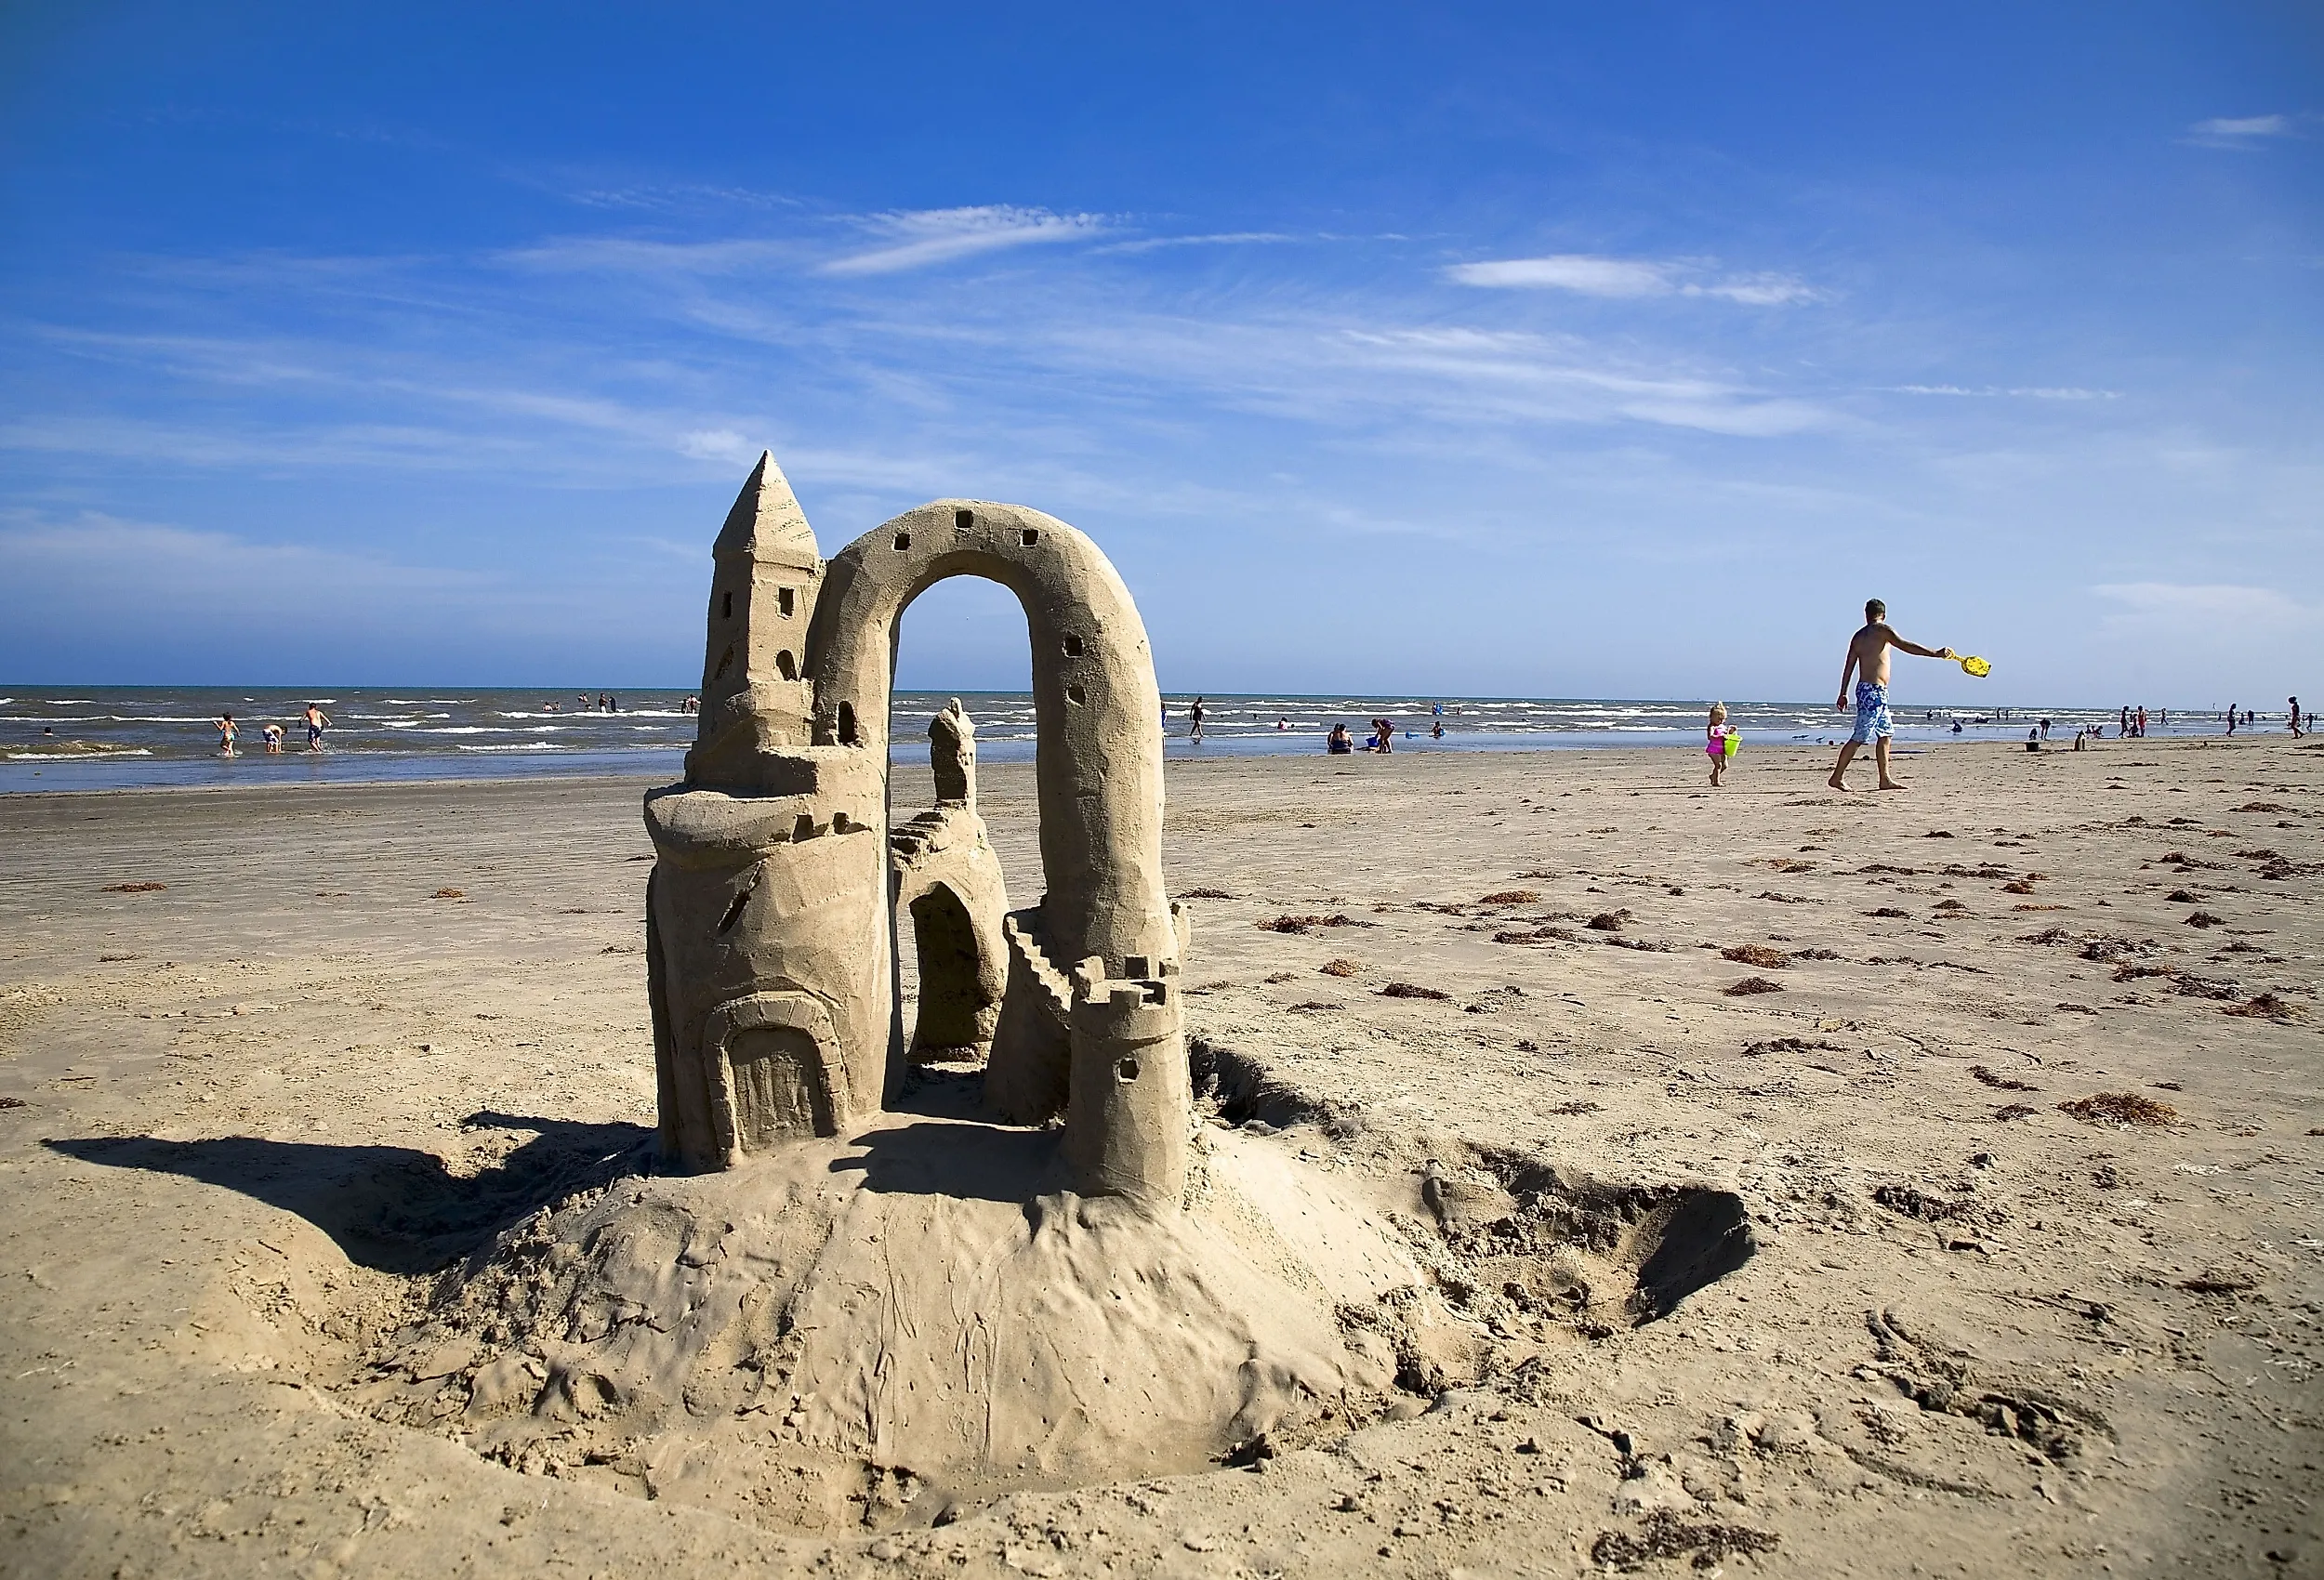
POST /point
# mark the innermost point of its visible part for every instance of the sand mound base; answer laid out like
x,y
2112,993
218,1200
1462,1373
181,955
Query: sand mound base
x,y
876,1330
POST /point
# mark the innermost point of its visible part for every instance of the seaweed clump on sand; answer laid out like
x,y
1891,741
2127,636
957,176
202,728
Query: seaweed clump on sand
x,y
2267,1007
2120,1108
1664,1534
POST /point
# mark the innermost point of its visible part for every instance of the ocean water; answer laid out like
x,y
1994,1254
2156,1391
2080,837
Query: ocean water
x,y
121,737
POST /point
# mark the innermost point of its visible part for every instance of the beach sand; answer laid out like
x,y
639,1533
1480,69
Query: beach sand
x,y
360,1031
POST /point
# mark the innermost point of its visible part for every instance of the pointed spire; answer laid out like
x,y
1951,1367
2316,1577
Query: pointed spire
x,y
766,522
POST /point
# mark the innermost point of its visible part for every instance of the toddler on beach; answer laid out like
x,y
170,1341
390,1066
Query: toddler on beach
x,y
1715,743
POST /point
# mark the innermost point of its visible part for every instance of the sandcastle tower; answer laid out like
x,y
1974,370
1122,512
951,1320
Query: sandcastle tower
x,y
772,906
949,883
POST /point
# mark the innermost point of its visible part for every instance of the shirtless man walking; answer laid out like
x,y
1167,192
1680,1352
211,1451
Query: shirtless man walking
x,y
1868,661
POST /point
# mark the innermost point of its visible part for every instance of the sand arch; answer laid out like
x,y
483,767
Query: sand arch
x,y
1096,705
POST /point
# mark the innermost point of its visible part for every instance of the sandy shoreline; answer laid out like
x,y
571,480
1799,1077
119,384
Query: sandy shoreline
x,y
265,1099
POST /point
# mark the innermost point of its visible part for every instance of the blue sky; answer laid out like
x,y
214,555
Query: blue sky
x,y
1541,350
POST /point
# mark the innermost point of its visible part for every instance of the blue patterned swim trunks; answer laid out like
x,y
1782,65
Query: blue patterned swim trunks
x,y
1872,713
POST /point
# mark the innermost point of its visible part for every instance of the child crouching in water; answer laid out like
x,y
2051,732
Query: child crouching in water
x,y
1715,743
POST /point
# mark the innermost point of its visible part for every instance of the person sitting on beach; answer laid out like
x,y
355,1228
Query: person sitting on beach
x,y
274,733
1436,732
1339,742
1715,742
317,721
226,732
1867,659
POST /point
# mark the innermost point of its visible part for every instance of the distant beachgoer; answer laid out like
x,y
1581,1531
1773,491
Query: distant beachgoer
x,y
2231,717
586,706
2045,729
226,733
1283,724
612,705
317,721
1387,736
2142,721
2033,739
2294,716
1440,710
1193,716
2122,724
1437,732
1867,659
1339,742
1715,742
274,733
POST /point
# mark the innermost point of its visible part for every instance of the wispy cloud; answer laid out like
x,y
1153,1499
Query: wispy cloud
x,y
680,197
2240,131
1220,238
618,255
2217,604
1590,274
925,237
718,444
145,561
2023,392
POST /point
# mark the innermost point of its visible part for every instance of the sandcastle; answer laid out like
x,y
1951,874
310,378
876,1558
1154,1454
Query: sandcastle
x,y
868,1281
770,950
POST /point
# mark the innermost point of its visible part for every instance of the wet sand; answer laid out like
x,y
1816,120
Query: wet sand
x,y
263,1106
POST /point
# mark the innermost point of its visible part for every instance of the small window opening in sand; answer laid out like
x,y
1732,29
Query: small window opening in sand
x,y
1030,536
1073,646
804,828
847,724
1134,967
1126,1068
783,602
1076,695
903,541
785,665
726,605
963,519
